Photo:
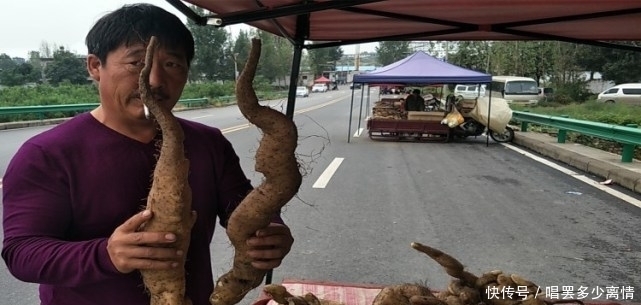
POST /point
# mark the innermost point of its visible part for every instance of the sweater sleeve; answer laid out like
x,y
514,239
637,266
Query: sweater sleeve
x,y
37,215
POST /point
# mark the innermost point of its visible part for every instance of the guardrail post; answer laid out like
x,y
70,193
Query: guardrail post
x,y
560,138
524,124
627,153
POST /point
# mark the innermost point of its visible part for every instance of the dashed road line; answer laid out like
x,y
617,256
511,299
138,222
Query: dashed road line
x,y
324,178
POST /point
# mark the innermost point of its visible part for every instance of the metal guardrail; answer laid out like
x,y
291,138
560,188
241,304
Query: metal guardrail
x,y
629,135
40,111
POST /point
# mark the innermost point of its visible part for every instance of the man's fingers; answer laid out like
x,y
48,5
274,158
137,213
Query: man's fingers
x,y
132,224
266,254
144,238
266,264
127,259
150,264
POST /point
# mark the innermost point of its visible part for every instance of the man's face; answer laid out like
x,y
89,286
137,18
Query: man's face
x,y
118,79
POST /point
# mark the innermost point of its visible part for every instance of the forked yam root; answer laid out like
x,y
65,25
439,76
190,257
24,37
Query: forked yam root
x,y
276,160
280,295
404,294
489,288
169,197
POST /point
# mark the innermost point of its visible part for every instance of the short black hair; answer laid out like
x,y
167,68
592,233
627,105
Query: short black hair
x,y
416,91
136,23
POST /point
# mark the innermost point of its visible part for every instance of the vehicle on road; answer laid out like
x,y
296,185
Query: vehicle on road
x,y
629,93
516,90
319,88
469,91
355,85
546,93
302,91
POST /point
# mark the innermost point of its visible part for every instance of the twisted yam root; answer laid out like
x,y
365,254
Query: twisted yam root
x,y
280,295
276,160
405,294
169,197
468,289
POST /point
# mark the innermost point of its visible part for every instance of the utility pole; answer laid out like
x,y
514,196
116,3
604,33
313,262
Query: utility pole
x,y
357,57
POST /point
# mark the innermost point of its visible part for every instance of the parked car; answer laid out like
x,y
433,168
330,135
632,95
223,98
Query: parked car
x,y
302,91
355,85
623,93
319,88
468,91
546,93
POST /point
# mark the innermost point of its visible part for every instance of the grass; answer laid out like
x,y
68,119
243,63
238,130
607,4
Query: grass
x,y
615,114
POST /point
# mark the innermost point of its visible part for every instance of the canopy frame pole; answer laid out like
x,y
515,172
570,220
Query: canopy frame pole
x,y
351,110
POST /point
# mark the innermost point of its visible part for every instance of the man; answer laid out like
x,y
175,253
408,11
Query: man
x,y
414,101
73,195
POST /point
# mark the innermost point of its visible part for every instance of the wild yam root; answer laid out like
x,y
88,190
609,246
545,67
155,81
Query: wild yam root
x,y
469,289
280,295
276,160
402,294
169,197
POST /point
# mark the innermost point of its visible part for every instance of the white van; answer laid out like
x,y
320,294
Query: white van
x,y
516,90
469,91
623,93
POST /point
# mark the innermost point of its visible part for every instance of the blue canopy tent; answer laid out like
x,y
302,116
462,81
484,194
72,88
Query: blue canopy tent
x,y
417,69
422,69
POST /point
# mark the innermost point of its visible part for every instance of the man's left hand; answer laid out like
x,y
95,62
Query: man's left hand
x,y
269,246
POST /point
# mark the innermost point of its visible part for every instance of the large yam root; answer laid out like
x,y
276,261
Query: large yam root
x,y
169,197
489,288
276,160
280,295
404,294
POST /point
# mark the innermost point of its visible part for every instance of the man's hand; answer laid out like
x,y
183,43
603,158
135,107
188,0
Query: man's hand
x,y
270,245
130,250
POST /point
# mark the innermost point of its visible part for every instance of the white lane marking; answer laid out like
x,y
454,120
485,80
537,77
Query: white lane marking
x,y
243,126
201,117
322,181
235,128
578,176
358,133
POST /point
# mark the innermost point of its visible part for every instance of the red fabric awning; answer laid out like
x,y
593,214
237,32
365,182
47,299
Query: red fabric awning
x,y
322,79
359,21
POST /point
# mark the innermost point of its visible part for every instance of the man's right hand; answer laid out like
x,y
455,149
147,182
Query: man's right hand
x,y
130,249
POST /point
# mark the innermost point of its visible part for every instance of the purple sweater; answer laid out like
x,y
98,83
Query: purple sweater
x,y
67,189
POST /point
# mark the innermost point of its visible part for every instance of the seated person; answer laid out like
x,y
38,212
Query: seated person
x,y
414,101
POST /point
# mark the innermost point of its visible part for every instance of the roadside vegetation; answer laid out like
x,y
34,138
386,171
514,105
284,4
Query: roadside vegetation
x,y
615,114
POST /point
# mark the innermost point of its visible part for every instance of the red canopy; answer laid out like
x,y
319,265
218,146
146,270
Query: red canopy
x,y
322,79
332,23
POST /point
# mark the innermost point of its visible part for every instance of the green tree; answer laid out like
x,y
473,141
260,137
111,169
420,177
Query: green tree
x,y
241,48
324,59
621,66
210,59
13,73
66,66
391,51
471,54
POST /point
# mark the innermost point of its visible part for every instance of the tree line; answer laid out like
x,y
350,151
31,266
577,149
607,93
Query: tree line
x,y
552,63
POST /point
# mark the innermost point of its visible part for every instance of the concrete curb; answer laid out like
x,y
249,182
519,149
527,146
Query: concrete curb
x,y
594,161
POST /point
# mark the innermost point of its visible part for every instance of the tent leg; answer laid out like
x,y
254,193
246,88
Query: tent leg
x,y
351,110
293,80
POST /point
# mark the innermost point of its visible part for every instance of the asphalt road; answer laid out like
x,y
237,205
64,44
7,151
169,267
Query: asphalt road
x,y
488,206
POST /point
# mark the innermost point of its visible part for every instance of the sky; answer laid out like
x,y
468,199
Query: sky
x,y
25,25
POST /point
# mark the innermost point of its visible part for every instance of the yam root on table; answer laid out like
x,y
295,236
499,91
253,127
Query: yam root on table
x,y
169,197
276,160
467,288
280,295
